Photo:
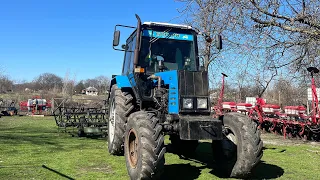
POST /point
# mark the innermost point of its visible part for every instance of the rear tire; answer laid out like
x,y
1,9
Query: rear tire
x,y
241,149
144,146
120,106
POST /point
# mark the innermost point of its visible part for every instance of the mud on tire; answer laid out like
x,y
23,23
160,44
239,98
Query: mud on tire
x,y
120,106
238,161
144,146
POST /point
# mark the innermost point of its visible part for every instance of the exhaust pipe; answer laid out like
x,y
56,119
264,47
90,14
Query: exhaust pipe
x,y
136,51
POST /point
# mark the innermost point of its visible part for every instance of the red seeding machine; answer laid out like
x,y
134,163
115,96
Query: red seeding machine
x,y
291,122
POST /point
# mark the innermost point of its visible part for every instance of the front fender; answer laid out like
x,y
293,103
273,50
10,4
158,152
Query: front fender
x,y
120,81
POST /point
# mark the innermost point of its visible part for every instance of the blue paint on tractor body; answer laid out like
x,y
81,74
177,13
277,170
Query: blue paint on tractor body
x,y
171,78
131,79
122,81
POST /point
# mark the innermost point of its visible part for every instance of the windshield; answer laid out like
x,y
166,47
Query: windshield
x,y
177,50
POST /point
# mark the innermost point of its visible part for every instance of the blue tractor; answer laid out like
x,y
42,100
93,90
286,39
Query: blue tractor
x,y
163,90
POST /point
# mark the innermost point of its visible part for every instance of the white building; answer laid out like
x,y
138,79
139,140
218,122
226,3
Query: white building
x,y
91,91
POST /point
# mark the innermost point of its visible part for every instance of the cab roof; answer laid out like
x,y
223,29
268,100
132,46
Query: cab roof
x,y
167,25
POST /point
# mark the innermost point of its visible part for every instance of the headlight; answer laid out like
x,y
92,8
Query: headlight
x,y
202,103
187,103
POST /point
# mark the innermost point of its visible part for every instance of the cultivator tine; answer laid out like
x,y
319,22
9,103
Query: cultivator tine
x,y
81,117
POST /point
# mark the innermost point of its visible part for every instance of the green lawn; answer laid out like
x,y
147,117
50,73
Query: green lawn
x,y
32,148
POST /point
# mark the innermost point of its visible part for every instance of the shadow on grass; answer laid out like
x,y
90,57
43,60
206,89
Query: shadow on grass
x,y
204,157
99,136
32,129
280,150
22,138
266,171
181,171
58,173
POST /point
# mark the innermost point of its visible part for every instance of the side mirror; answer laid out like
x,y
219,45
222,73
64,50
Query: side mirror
x,y
218,42
116,38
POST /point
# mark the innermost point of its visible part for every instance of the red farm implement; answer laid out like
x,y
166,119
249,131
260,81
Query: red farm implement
x,y
223,107
293,122
36,106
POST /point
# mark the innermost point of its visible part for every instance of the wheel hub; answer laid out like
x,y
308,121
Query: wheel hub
x,y
133,148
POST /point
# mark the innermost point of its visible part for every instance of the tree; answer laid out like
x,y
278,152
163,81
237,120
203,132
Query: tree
x,y
91,82
103,84
269,35
5,84
47,81
68,86
291,28
202,15
219,17
79,87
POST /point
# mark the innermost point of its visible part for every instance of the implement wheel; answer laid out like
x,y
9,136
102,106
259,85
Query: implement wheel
x,y
120,107
144,146
241,149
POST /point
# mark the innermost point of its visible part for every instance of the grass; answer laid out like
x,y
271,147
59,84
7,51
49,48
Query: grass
x,y
32,148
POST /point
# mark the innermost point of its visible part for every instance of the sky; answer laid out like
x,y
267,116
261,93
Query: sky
x,y
74,36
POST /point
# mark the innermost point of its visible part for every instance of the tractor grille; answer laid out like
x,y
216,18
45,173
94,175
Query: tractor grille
x,y
193,83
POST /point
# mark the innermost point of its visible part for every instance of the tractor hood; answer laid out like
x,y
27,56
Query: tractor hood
x,y
191,86
193,83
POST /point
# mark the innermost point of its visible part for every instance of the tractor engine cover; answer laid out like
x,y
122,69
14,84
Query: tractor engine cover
x,y
200,128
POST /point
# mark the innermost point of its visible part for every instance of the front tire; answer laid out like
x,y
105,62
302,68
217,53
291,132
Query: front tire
x,y
241,149
121,105
144,146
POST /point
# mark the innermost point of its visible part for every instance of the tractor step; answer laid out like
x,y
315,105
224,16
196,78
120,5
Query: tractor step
x,y
200,128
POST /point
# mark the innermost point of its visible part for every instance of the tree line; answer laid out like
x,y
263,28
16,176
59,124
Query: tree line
x,y
50,82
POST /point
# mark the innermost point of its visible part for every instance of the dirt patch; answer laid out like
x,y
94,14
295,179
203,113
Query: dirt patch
x,y
269,138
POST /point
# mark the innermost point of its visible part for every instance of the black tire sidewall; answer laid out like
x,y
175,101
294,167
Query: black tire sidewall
x,y
150,150
225,167
249,147
133,172
235,128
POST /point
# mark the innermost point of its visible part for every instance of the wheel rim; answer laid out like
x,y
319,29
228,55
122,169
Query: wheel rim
x,y
229,143
112,122
132,148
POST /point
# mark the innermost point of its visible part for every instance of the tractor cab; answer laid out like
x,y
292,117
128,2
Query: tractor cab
x,y
165,56
166,47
